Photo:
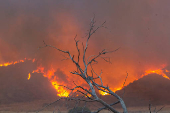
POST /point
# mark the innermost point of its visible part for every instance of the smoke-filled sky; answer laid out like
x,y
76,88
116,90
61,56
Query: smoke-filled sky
x,y
139,27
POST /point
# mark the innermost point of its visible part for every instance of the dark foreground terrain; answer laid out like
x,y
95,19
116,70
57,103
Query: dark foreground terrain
x,y
32,107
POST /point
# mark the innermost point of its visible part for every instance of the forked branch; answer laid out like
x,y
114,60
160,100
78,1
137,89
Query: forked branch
x,y
90,79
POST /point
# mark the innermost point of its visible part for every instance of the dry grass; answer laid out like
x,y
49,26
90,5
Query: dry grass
x,y
32,107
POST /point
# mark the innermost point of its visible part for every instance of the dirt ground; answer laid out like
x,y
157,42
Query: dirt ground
x,y
32,107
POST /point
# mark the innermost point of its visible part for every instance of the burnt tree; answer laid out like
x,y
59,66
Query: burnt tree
x,y
90,95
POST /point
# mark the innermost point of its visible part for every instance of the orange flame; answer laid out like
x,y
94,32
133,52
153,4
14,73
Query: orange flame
x,y
166,71
157,71
62,92
103,93
29,76
117,89
114,90
15,62
11,63
160,71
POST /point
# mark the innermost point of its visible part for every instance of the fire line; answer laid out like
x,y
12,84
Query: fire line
x,y
15,62
62,92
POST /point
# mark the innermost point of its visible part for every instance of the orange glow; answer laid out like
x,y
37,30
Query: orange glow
x,y
38,70
29,76
167,71
11,63
62,92
103,93
89,95
33,60
114,90
117,89
14,62
157,71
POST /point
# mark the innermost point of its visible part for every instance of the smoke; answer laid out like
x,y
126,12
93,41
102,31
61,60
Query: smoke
x,y
62,77
139,28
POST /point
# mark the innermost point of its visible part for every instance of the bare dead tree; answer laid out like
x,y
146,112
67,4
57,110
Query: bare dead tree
x,y
90,95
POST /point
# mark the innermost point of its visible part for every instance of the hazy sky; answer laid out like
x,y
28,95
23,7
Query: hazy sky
x,y
139,27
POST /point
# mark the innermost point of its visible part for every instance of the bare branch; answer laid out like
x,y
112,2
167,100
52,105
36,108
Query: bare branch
x,y
160,109
54,109
112,93
78,50
104,58
71,57
89,95
124,85
97,75
91,32
51,104
66,58
76,73
53,47
79,90
84,107
100,53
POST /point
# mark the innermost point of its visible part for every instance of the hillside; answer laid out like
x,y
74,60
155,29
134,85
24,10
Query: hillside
x,y
15,87
152,87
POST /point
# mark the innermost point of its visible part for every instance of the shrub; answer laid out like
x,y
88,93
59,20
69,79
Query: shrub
x,y
79,110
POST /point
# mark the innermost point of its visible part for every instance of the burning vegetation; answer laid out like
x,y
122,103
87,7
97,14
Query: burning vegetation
x,y
140,29
63,92
62,87
15,62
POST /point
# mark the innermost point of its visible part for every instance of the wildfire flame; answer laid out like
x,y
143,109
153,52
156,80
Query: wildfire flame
x,y
157,71
103,93
62,91
114,90
11,63
160,71
29,76
15,62
50,75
